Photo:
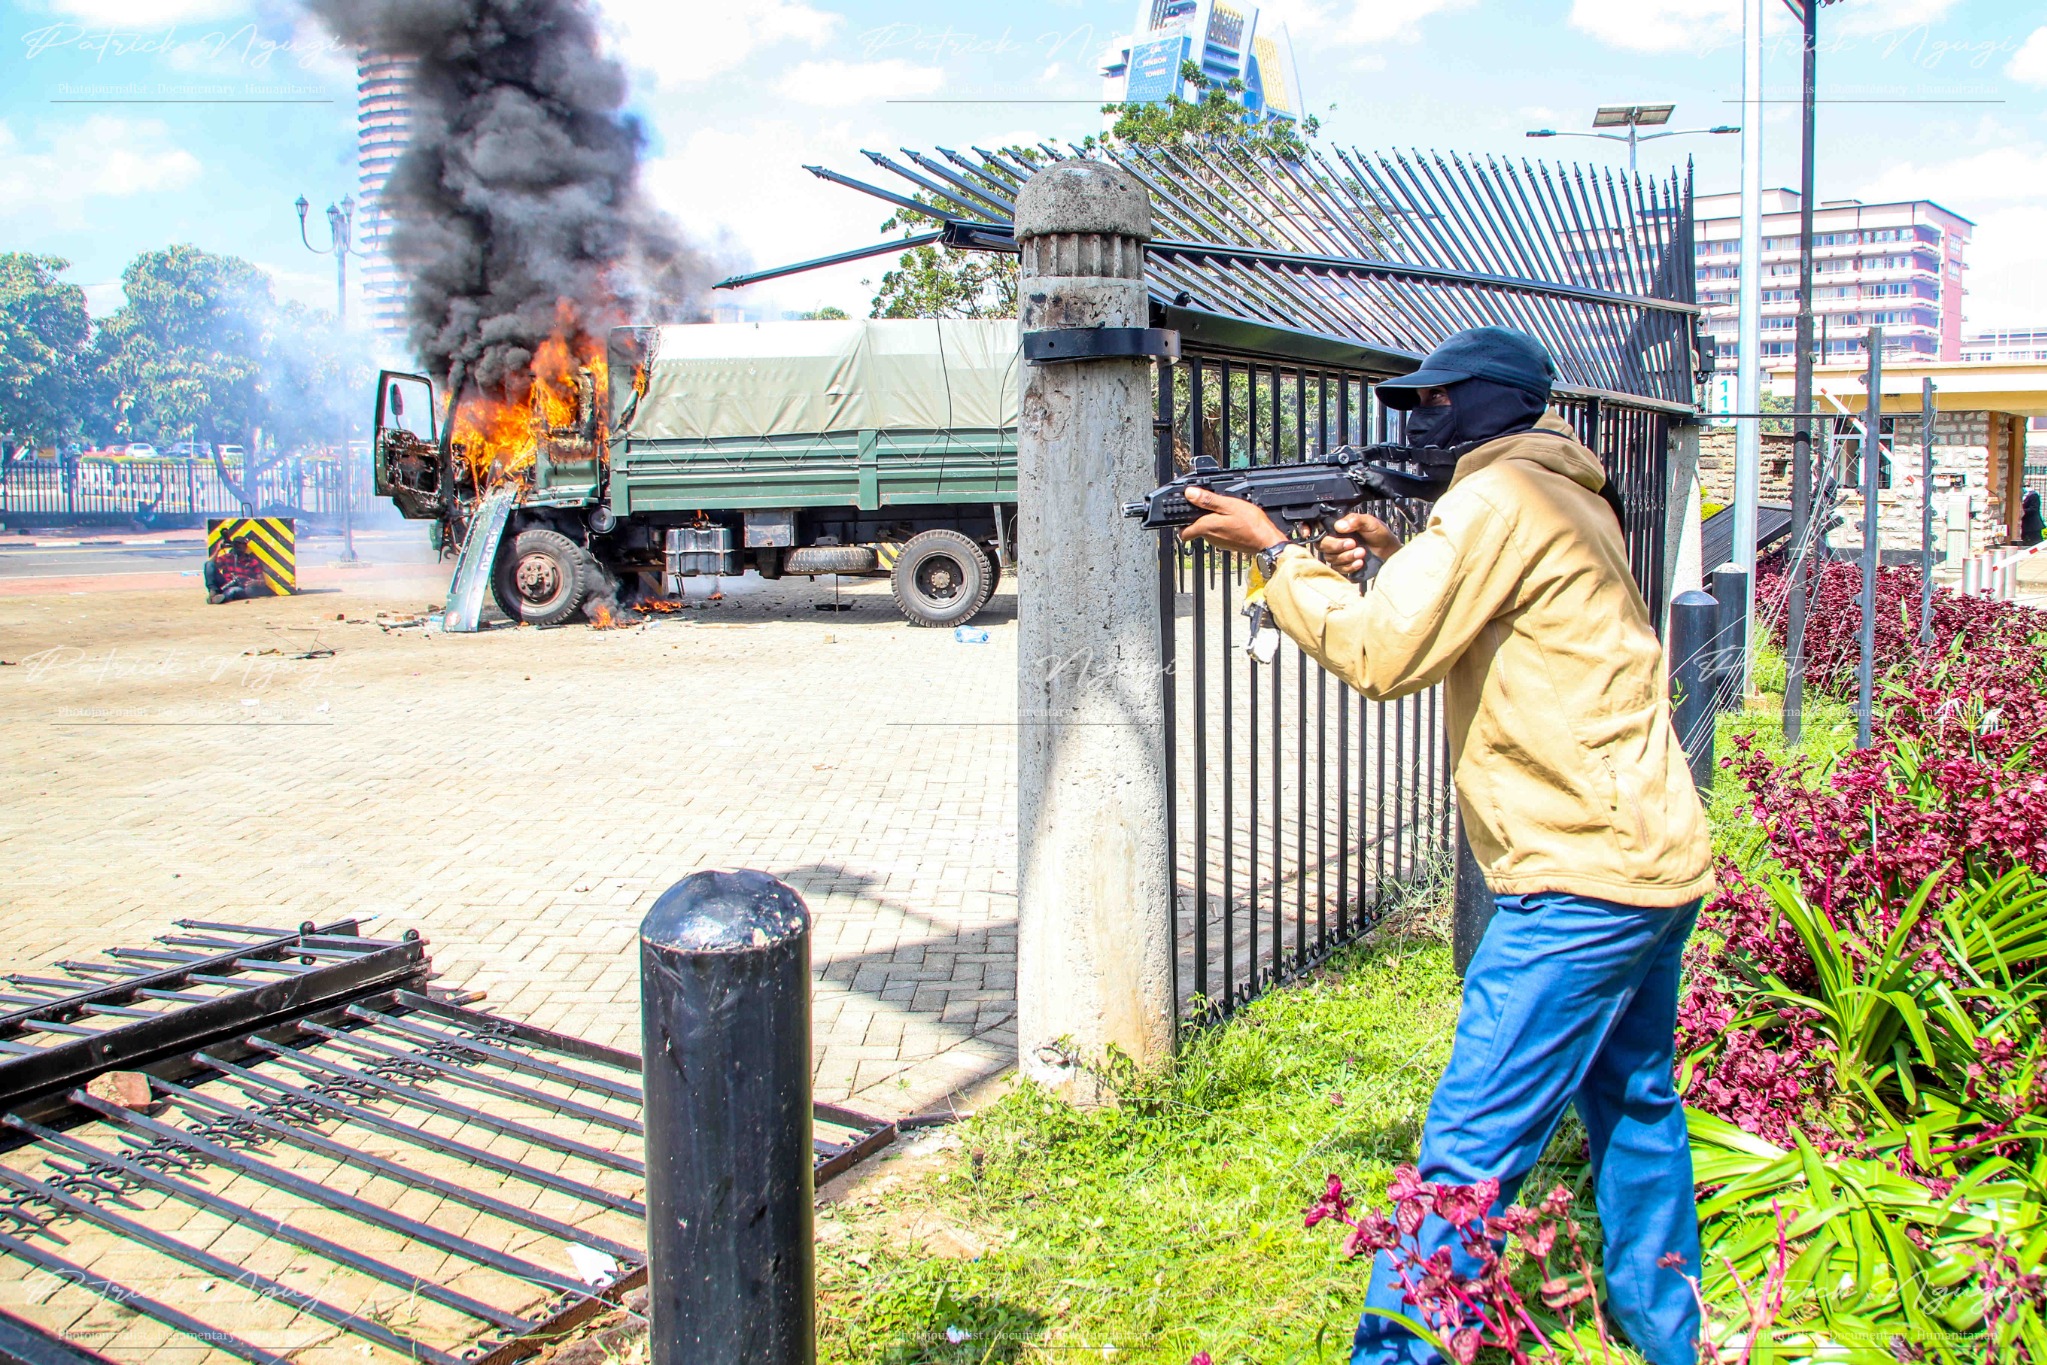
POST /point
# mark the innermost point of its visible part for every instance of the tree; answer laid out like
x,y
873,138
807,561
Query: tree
x,y
202,351
938,282
44,330
1214,119
182,356
828,313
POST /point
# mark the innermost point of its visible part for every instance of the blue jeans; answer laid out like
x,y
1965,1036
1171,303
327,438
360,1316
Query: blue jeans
x,y
1569,999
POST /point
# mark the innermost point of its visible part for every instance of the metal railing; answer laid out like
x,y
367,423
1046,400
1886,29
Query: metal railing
x,y
99,491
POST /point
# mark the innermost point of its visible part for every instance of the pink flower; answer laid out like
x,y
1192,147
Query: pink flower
x,y
1200,1358
1462,1205
1332,1204
1372,1234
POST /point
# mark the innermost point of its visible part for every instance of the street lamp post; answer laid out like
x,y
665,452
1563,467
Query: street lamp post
x,y
1807,12
1634,118
341,233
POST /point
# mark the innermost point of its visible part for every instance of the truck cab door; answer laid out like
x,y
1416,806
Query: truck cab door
x,y
407,445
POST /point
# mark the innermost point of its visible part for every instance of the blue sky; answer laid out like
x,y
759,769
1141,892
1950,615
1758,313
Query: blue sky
x,y
1945,99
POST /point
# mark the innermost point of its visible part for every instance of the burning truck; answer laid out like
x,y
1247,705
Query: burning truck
x,y
627,467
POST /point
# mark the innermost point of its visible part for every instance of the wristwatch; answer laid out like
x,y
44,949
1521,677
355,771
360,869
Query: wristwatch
x,y
1268,558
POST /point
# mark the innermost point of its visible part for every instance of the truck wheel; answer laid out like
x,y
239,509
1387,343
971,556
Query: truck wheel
x,y
940,579
540,579
994,568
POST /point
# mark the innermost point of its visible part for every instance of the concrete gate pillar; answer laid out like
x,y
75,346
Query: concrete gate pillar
x,y
1094,892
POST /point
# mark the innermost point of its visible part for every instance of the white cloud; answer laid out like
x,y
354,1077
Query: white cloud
x,y
1862,18
1358,21
681,44
743,191
1659,25
102,157
151,14
2003,188
837,84
2007,279
2005,173
2029,64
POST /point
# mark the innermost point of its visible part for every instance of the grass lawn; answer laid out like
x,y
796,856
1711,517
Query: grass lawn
x,y
1165,1226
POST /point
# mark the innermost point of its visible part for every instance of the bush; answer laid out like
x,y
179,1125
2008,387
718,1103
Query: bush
x,y
1861,1034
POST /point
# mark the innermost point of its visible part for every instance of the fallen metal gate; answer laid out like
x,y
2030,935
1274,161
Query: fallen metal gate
x,y
278,1145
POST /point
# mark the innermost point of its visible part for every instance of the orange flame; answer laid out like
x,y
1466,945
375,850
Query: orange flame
x,y
498,434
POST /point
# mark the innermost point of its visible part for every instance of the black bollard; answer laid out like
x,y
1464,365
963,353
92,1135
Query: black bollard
x,y
725,1023
1473,908
1730,644
1694,623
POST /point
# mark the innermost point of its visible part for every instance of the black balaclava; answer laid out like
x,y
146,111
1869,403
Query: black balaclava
x,y
1479,410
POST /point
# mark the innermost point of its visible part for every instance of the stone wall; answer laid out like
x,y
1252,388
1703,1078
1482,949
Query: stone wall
x,y
1968,492
1716,465
1968,509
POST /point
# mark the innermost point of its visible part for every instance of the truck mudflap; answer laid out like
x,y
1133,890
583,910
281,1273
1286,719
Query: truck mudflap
x,y
479,560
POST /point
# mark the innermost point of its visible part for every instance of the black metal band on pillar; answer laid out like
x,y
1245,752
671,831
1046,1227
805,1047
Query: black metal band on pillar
x,y
725,1014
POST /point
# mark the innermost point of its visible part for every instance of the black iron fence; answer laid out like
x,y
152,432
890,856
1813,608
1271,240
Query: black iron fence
x,y
1300,811
92,491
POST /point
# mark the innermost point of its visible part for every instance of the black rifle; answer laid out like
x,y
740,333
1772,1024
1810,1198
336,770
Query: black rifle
x,y
1306,497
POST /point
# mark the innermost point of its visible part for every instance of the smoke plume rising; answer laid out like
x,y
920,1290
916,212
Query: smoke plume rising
x,y
517,205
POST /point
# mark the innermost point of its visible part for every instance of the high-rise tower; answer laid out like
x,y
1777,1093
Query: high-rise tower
x,y
383,127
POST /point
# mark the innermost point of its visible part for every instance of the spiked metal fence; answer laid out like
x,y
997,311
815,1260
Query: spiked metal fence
x,y
1395,251
1300,811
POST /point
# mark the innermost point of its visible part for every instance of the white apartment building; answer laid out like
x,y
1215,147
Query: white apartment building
x,y
1896,265
2018,343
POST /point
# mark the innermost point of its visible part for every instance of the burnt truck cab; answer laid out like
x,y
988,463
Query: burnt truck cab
x,y
877,448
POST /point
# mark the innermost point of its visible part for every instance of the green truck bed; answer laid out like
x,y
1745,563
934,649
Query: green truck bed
x,y
856,414
869,470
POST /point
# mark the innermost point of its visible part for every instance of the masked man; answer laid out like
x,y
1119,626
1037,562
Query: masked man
x,y
1573,793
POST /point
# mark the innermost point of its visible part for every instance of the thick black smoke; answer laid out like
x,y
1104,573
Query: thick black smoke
x,y
520,188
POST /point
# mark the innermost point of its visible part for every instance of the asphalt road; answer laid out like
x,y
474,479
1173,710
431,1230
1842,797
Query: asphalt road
x,y
47,556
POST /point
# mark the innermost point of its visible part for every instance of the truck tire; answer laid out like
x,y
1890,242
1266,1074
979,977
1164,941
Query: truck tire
x,y
540,580
994,568
940,579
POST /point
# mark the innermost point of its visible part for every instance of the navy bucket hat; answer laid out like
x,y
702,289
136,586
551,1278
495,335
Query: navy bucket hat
x,y
1499,354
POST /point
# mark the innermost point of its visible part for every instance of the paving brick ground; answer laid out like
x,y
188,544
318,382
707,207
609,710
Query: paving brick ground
x,y
521,796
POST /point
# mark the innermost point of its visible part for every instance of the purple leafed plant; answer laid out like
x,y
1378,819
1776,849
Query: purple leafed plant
x,y
1469,1311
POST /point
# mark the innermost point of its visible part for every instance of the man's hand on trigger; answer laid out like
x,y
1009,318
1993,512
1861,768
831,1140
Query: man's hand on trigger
x,y
1357,535
1231,523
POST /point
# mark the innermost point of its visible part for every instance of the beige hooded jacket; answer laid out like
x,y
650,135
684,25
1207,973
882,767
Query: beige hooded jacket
x,y
1518,598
